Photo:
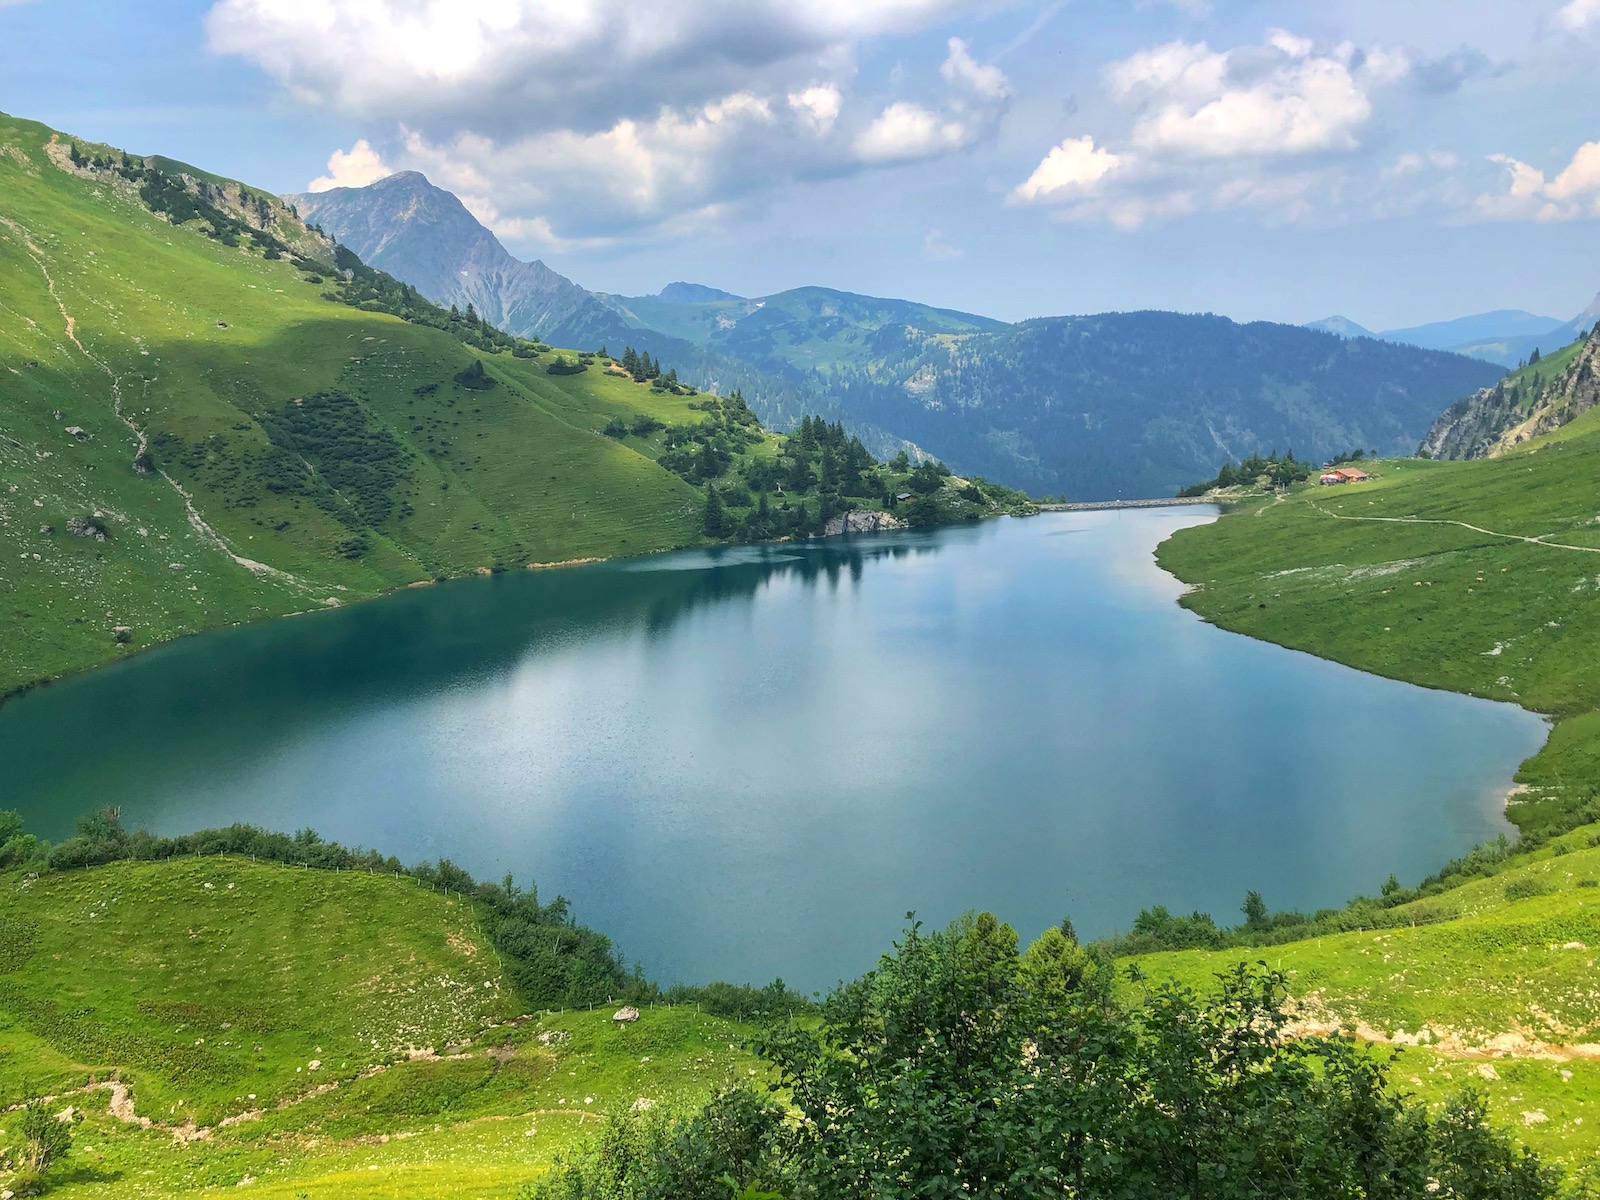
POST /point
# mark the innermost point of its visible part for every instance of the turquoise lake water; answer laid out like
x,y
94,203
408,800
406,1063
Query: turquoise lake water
x,y
754,762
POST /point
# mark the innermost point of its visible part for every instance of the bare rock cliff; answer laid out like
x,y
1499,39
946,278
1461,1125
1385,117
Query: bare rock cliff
x,y
1493,420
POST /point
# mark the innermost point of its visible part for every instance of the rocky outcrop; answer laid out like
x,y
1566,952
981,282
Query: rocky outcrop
x,y
1493,420
861,522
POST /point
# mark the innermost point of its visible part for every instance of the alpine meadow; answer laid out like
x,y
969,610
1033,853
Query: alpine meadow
x,y
694,602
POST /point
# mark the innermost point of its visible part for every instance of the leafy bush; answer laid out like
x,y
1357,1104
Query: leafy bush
x,y
961,1067
475,379
1527,887
359,460
43,1141
660,1155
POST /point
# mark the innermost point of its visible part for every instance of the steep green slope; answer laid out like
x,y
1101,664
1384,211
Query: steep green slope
x,y
209,1042
1490,986
210,413
1479,577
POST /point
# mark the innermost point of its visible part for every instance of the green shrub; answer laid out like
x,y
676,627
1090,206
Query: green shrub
x,y
1527,887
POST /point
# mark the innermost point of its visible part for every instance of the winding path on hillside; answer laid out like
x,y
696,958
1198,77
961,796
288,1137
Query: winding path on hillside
x,y
201,527
1512,537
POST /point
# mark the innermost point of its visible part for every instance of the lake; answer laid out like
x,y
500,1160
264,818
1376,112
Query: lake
x,y
753,762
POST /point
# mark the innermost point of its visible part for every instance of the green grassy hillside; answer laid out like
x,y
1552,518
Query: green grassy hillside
x,y
143,336
207,1040
1493,987
208,414
1479,577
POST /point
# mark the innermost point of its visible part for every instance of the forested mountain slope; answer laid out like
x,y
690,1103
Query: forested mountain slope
x,y
1139,404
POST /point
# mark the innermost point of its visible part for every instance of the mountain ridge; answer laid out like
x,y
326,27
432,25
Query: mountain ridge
x,y
938,378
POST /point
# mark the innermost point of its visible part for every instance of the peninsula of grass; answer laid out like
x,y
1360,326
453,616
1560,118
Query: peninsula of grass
x,y
1480,577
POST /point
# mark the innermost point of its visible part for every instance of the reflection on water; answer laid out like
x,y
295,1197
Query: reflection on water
x,y
754,761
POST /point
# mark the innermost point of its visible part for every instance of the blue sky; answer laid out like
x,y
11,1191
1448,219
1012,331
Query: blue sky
x,y
1396,163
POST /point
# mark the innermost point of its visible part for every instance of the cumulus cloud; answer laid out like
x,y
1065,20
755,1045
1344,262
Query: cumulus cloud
x,y
353,168
1283,98
1254,126
1578,15
982,79
1075,166
906,131
550,63
1528,195
818,106
575,120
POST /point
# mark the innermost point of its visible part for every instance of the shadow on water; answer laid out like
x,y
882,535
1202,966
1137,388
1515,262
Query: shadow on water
x,y
244,690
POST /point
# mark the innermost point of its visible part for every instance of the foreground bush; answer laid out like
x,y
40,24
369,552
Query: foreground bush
x,y
963,1068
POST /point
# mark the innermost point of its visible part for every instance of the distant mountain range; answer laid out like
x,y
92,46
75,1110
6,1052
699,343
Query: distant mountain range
x,y
1507,337
1121,404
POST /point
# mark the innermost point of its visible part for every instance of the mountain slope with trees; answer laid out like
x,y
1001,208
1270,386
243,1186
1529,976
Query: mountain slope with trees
x,y
1539,397
425,236
1142,404
212,413
1117,405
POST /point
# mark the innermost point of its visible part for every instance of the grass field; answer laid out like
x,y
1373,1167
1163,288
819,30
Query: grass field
x,y
1479,577
1387,576
1494,987
136,333
384,1057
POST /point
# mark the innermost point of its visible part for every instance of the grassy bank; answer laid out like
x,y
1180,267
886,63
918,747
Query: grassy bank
x,y
385,1056
1428,574
1492,987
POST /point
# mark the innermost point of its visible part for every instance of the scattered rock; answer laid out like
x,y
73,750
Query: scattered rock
x,y
861,522
122,634
47,530
1487,1071
82,434
1535,1117
643,1104
87,527
625,1015
554,1037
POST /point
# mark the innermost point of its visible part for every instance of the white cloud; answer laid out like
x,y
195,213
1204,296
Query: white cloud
x,y
355,167
983,79
936,249
527,64
1074,167
1578,15
634,172
1282,98
581,119
1250,127
1529,195
818,106
905,131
